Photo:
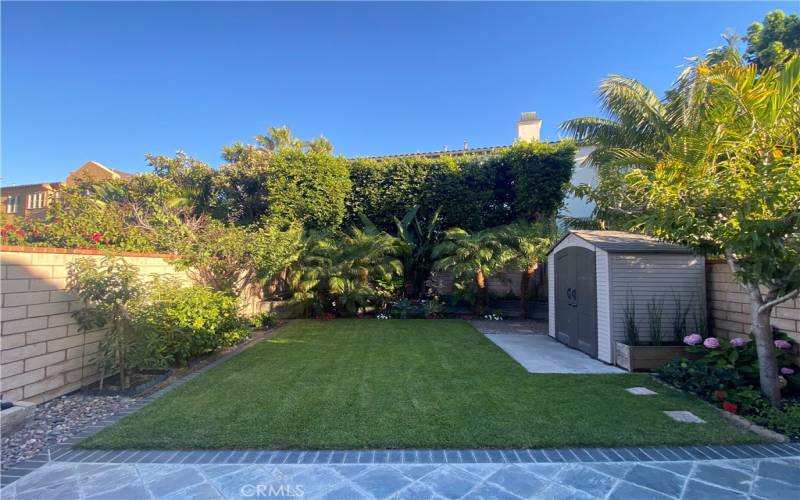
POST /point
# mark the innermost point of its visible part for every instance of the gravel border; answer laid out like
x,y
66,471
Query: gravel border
x,y
59,423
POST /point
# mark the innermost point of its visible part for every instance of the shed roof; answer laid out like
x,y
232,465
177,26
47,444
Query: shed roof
x,y
626,242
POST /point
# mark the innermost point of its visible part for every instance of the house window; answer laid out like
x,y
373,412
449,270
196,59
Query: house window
x,y
12,204
36,200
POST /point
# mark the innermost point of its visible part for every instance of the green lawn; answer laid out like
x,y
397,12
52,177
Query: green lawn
x,y
412,383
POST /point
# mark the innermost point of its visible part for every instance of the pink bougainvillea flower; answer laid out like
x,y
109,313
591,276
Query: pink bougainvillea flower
x,y
728,406
739,342
711,343
783,344
787,371
692,339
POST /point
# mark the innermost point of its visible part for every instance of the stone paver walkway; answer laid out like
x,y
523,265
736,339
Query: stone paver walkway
x,y
767,478
543,354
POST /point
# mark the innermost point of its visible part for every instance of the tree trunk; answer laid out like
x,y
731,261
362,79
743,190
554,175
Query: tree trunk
x,y
767,364
480,292
524,285
760,310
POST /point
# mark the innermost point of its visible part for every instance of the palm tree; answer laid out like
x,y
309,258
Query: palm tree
x,y
638,130
529,244
637,127
713,166
347,271
472,257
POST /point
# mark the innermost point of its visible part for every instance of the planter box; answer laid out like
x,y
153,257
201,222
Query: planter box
x,y
648,357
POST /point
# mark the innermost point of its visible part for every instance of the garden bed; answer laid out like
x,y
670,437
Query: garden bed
x,y
726,374
139,382
395,384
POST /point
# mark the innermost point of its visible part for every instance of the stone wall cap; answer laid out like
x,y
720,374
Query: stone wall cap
x,y
82,251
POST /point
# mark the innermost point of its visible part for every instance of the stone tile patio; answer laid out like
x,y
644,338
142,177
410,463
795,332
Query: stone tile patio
x,y
775,478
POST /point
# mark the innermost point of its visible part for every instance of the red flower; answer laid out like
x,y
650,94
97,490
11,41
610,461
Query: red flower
x,y
718,395
21,233
728,406
97,236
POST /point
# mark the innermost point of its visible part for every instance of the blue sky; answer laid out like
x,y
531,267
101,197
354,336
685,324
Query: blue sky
x,y
113,81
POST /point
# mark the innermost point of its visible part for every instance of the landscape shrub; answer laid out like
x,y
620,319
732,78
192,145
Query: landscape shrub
x,y
740,354
751,403
228,258
727,375
785,420
262,320
433,308
76,219
699,377
346,272
112,295
190,321
284,177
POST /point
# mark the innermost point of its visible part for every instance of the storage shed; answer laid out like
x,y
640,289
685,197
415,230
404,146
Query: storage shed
x,y
594,276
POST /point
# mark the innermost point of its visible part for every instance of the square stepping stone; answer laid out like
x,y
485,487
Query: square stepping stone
x,y
684,416
641,391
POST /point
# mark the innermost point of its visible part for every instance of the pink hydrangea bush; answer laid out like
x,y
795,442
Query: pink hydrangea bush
x,y
739,342
693,339
783,344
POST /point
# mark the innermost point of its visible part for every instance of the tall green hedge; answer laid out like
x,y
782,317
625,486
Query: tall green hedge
x,y
523,181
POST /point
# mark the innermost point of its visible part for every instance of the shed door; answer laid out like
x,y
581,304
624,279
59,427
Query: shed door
x,y
566,321
586,300
576,302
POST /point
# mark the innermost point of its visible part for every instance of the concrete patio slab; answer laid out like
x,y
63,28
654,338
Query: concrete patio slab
x,y
542,354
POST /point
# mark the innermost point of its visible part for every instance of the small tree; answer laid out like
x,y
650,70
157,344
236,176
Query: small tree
x,y
730,185
774,41
110,292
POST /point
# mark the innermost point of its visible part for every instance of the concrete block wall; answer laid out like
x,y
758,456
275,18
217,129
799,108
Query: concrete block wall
x,y
501,283
730,308
42,352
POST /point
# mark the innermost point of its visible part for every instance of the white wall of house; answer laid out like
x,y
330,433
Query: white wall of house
x,y
584,173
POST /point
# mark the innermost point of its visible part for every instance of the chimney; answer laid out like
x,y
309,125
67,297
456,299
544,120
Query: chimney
x,y
528,127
